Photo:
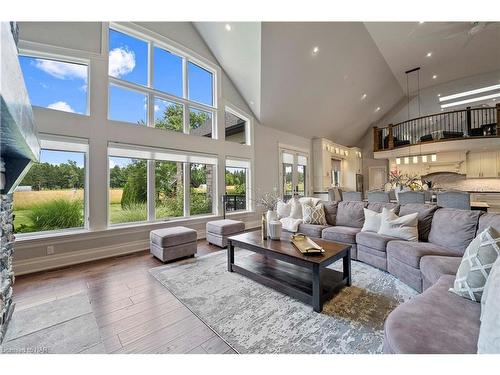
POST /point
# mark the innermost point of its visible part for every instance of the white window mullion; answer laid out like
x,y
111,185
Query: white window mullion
x,y
187,190
151,201
187,126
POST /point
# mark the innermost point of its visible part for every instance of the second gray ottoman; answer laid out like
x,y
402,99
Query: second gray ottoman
x,y
172,243
219,230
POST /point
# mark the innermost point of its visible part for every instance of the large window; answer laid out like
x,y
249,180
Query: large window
x,y
154,86
237,182
154,184
51,196
55,84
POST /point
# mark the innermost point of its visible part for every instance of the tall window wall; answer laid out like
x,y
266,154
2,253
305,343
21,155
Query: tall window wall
x,y
151,85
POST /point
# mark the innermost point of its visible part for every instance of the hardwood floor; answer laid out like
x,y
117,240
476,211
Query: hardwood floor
x,y
134,312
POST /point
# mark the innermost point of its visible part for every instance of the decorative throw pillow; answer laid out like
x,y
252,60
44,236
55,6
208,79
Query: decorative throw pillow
x,y
476,264
283,209
296,209
372,220
404,227
313,214
489,330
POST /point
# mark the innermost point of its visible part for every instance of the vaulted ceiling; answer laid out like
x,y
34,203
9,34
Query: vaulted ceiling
x,y
355,76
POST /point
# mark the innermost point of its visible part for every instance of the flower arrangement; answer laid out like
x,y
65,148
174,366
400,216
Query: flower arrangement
x,y
268,201
403,180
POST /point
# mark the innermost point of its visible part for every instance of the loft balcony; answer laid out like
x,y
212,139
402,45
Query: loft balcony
x,y
433,130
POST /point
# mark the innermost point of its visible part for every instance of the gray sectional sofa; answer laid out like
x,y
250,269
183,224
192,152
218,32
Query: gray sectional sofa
x,y
436,321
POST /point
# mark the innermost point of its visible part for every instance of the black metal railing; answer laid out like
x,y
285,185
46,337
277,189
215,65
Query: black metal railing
x,y
235,202
466,123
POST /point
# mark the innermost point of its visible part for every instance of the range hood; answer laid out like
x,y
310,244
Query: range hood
x,y
445,167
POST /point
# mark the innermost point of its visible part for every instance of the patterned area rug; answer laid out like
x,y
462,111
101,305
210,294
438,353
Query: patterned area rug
x,y
255,319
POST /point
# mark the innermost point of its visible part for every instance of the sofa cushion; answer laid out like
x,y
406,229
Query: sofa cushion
x,y
435,266
453,228
330,211
340,234
476,264
410,252
378,206
373,240
350,214
425,214
403,227
310,201
489,220
172,236
435,321
312,230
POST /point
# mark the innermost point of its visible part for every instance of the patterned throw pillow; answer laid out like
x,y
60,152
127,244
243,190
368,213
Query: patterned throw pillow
x,y
313,214
476,264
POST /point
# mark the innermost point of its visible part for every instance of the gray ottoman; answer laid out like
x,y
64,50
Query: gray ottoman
x,y
172,243
219,230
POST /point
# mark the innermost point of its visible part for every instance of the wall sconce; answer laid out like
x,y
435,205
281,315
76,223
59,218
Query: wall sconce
x,y
415,160
407,160
433,157
398,161
424,158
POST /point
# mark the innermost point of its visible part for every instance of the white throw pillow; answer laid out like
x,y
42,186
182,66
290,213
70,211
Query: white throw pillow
x,y
283,209
404,227
489,330
296,209
372,220
314,215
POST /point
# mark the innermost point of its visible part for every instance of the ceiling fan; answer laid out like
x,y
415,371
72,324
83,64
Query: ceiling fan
x,y
452,30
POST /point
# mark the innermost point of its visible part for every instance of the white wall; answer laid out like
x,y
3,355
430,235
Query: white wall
x,y
88,41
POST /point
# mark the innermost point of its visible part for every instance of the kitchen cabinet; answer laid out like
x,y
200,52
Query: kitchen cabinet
x,y
483,164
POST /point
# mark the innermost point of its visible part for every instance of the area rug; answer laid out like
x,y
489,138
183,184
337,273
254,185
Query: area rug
x,y
255,319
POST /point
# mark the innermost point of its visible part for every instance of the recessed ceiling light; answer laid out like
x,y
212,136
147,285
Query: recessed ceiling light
x,y
429,54
363,97
439,95
377,109
434,76
315,50
228,27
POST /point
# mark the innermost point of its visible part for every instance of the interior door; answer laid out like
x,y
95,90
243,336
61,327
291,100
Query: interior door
x,y
294,181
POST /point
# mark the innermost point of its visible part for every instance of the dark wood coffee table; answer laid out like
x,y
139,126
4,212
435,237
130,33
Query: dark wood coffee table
x,y
279,265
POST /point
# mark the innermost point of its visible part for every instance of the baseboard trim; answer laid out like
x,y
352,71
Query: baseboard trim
x,y
45,263
49,262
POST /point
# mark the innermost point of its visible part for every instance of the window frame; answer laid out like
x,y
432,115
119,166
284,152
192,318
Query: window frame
x,y
149,89
37,54
248,123
148,154
232,162
64,144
